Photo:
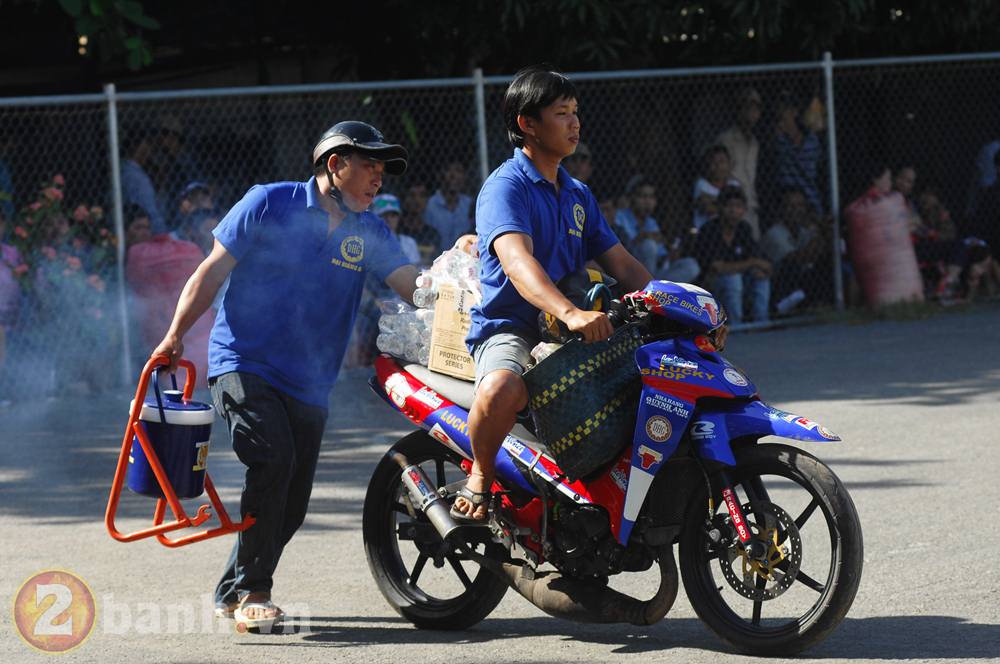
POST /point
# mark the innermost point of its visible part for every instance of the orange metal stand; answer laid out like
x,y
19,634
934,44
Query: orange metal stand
x,y
181,519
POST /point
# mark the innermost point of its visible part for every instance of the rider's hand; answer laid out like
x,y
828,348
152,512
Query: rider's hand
x,y
173,348
593,325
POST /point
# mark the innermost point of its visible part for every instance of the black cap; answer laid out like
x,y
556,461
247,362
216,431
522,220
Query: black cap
x,y
354,136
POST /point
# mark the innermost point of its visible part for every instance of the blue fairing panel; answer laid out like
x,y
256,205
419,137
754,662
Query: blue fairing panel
x,y
712,432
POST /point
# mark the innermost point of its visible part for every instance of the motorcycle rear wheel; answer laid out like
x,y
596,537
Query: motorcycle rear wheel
x,y
784,483
451,593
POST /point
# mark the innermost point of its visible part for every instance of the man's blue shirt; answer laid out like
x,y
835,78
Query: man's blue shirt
x,y
293,295
566,230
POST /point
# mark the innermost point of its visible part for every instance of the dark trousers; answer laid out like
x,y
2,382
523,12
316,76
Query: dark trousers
x,y
277,438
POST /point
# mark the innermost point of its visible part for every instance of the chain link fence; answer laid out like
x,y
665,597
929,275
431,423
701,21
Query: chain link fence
x,y
667,153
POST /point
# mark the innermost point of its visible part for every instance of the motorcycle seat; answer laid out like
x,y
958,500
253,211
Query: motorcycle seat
x,y
460,392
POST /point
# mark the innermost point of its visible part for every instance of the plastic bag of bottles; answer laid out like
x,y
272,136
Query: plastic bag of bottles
x,y
405,331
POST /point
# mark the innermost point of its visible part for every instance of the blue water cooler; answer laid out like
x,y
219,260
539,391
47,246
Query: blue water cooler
x,y
179,431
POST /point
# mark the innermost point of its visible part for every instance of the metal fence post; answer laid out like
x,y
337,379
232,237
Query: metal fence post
x,y
831,139
480,85
119,217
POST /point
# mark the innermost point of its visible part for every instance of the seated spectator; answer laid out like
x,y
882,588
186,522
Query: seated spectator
x,y
641,235
197,216
413,224
952,266
716,174
731,262
904,178
450,210
800,254
580,164
387,207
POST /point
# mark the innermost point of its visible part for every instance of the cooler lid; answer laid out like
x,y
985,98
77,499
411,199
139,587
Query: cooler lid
x,y
178,411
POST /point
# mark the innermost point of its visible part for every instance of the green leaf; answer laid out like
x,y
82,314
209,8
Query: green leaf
x,y
88,25
132,43
72,7
97,7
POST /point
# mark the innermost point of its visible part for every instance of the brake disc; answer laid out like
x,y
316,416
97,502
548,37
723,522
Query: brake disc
x,y
765,578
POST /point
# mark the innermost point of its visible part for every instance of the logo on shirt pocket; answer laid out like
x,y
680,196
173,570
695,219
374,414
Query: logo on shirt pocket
x,y
353,248
579,218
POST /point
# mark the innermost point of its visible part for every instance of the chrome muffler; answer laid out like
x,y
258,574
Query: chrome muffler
x,y
425,498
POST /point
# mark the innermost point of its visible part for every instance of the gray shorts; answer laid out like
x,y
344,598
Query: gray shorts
x,y
508,349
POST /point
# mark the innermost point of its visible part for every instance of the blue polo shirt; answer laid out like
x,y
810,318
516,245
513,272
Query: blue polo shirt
x,y
566,230
293,295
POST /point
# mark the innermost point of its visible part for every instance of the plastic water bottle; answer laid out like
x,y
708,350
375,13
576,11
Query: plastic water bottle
x,y
424,298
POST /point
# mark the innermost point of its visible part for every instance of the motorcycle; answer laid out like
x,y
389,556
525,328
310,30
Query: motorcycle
x,y
769,542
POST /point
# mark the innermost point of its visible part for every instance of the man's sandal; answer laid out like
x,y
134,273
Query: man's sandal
x,y
257,624
226,610
477,498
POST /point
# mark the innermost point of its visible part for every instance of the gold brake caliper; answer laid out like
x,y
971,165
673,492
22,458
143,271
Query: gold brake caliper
x,y
775,554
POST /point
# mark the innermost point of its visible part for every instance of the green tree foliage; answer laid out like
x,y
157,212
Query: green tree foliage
x,y
114,29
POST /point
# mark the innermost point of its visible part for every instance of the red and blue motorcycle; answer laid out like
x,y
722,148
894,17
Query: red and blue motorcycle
x,y
768,540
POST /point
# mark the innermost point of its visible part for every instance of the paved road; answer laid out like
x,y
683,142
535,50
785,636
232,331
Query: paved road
x,y
918,404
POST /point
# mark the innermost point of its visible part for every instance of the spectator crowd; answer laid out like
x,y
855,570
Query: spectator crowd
x,y
756,231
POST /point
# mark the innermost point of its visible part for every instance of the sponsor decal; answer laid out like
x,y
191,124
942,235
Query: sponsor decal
x,y
734,377
648,457
679,362
806,424
429,397
620,477
398,389
736,515
202,459
711,307
665,403
826,433
455,422
658,429
702,430
514,445
438,433
678,373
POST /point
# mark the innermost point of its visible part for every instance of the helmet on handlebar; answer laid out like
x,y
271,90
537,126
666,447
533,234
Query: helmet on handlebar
x,y
587,289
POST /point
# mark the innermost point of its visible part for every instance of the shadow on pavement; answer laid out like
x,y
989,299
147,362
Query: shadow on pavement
x,y
882,638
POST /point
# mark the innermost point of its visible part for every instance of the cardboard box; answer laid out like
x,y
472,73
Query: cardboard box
x,y
451,325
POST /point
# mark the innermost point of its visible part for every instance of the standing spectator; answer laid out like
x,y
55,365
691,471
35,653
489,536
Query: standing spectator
x,y
173,166
799,253
579,164
138,227
7,206
449,210
387,207
984,222
731,261
716,175
744,150
796,152
413,224
137,187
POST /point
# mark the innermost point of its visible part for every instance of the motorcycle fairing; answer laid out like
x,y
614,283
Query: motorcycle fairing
x,y
712,433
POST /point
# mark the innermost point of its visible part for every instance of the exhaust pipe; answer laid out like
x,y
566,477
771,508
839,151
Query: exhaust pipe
x,y
557,595
590,602
424,498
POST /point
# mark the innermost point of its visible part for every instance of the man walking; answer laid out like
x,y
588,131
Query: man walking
x,y
297,254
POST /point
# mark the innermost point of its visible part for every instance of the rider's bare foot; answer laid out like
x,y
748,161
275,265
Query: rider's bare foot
x,y
477,483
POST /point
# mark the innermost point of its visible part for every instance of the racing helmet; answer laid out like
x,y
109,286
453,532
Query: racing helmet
x,y
354,136
587,289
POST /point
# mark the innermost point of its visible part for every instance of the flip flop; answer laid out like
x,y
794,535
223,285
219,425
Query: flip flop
x,y
477,498
225,611
260,624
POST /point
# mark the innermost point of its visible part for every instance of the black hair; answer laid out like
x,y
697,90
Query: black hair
x,y
711,151
792,189
731,192
636,181
132,212
532,89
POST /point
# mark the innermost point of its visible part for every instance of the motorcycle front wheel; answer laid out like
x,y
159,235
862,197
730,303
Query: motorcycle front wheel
x,y
797,592
428,581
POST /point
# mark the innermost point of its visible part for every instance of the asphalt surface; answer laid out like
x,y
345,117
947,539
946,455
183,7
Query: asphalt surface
x,y
917,403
